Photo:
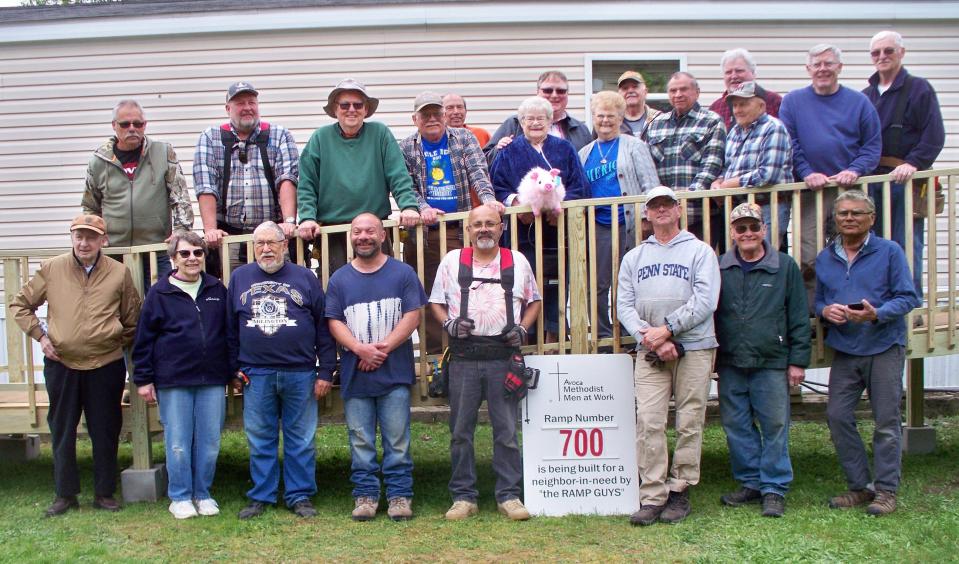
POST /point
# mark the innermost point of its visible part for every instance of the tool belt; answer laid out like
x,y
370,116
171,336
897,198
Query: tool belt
x,y
920,188
480,348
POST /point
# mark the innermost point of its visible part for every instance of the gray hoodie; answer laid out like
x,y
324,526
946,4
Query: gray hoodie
x,y
677,281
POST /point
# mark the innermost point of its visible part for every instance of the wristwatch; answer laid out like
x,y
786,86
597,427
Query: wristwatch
x,y
290,219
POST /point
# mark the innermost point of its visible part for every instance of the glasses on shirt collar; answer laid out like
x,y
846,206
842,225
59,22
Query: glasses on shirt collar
x,y
241,151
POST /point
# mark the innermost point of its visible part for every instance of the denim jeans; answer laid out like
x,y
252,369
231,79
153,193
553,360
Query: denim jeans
x,y
898,230
881,375
783,212
470,382
604,274
392,412
192,418
275,399
759,456
164,268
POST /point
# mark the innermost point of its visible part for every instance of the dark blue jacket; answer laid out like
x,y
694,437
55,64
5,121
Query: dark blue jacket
x,y
923,132
880,275
180,342
519,157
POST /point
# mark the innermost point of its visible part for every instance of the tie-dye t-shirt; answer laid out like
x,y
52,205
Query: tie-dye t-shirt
x,y
487,306
371,305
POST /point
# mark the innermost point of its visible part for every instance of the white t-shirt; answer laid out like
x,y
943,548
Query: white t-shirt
x,y
487,304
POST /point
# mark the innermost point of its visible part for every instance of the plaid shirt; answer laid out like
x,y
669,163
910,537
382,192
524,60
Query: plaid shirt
x,y
760,155
250,199
469,167
688,150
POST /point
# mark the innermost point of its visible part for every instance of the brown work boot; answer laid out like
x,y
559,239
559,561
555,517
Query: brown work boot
x,y
852,498
400,509
883,504
61,505
677,507
462,509
365,508
647,515
106,503
514,509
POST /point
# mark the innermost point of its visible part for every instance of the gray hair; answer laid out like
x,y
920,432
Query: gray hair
x,y
128,102
857,196
272,226
887,34
535,103
683,74
190,237
551,74
822,48
738,53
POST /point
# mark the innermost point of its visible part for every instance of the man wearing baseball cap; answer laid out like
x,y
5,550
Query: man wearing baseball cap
x,y
762,324
632,88
445,163
350,167
245,173
668,291
92,310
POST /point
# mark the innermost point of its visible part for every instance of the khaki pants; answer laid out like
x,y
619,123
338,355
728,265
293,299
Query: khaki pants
x,y
688,380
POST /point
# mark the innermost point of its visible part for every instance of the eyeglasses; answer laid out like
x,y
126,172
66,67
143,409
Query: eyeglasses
x,y
476,226
853,213
559,91
354,105
185,254
887,51
753,226
535,119
606,117
135,124
824,65
267,243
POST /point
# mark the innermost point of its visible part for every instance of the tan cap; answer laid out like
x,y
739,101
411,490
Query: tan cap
x,y
746,210
88,221
630,75
343,86
427,99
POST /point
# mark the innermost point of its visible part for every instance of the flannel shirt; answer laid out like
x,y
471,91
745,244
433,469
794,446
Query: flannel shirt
x,y
250,199
688,150
469,168
760,154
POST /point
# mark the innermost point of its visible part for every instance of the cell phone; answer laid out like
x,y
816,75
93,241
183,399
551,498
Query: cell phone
x,y
856,307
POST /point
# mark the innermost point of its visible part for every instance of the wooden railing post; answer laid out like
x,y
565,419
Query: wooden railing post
x,y
16,339
578,282
139,420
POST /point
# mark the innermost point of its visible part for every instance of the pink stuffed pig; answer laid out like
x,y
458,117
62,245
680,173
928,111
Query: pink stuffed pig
x,y
542,190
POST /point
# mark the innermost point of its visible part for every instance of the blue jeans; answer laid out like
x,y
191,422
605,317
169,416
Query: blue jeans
x,y
783,210
192,418
392,412
273,399
898,228
164,268
759,456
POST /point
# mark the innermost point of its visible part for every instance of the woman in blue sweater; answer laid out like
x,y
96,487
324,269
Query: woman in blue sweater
x,y
537,148
180,361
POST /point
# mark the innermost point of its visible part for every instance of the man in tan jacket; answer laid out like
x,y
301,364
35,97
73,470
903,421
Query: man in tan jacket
x,y
92,310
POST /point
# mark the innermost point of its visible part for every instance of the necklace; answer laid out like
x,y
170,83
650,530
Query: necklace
x,y
602,154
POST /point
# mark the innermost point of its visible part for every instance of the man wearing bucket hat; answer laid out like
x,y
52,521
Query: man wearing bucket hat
x,y
349,167
762,325
92,311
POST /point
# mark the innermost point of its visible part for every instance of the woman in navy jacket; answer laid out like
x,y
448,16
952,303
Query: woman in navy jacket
x,y
180,361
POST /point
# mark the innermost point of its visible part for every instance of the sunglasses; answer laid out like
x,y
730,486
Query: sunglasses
x,y
185,254
549,91
241,151
752,226
126,124
354,105
887,51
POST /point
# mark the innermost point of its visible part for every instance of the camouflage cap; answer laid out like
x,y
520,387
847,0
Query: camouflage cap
x,y
746,210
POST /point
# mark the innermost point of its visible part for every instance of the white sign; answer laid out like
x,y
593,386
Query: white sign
x,y
579,436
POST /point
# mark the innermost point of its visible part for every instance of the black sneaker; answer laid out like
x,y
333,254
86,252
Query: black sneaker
x,y
774,505
647,515
742,496
677,507
303,508
253,509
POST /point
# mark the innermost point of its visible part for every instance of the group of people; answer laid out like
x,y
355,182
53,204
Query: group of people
x,y
274,333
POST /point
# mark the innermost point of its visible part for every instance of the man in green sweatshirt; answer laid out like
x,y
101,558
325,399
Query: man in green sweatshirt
x,y
350,167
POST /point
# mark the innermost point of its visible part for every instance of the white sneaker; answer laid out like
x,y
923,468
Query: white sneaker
x,y
183,509
207,507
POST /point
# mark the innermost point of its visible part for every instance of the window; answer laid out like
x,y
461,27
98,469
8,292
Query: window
x,y
602,70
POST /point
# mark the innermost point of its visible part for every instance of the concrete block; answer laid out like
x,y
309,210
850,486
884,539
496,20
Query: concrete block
x,y
143,485
19,448
918,440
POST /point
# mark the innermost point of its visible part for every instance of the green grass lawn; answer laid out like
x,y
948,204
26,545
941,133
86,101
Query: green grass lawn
x,y
924,529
